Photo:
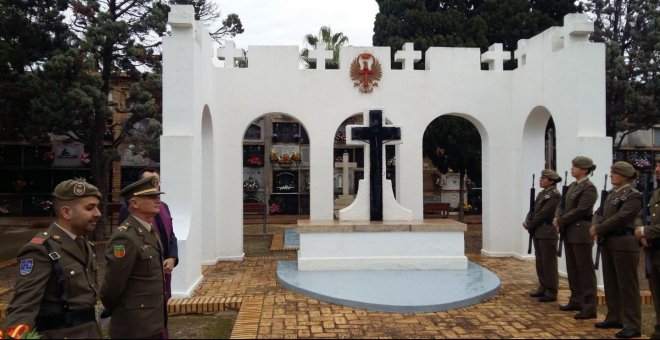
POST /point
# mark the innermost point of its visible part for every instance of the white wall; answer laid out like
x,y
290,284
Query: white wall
x,y
562,77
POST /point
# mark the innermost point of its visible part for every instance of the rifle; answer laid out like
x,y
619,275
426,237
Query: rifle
x,y
532,197
646,220
562,210
601,218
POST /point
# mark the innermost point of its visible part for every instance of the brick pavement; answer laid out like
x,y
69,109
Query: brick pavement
x,y
275,312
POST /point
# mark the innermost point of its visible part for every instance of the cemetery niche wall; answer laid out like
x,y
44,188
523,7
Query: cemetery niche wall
x,y
208,108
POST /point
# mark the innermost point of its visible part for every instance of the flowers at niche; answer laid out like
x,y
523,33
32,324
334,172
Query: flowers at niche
x,y
85,158
275,208
340,137
250,184
48,156
254,160
296,156
639,161
285,159
274,157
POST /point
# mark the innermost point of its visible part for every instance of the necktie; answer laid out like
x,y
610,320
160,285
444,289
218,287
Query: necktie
x,y
81,243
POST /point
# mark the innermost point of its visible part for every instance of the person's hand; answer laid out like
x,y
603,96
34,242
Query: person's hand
x,y
556,224
639,233
525,225
644,242
592,232
168,265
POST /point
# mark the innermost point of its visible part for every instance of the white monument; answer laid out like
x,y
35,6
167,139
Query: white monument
x,y
207,109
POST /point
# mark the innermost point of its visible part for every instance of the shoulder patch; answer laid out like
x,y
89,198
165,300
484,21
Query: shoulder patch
x,y
26,266
37,240
123,227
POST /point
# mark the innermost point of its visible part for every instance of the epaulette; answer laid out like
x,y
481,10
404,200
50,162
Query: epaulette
x,y
40,238
124,227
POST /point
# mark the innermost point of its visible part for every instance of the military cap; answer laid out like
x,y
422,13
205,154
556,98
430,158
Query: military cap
x,y
550,174
74,189
583,162
624,169
657,158
147,186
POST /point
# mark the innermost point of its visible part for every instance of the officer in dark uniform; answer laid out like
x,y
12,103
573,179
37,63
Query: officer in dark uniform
x,y
57,289
620,252
649,237
539,224
133,291
575,222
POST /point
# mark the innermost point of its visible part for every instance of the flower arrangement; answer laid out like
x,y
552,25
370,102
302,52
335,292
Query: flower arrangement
x,y
274,157
46,205
642,163
639,161
285,159
48,156
296,156
275,208
340,137
85,158
250,185
254,160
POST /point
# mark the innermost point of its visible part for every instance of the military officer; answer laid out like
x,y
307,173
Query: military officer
x,y
620,252
133,291
575,222
57,289
539,224
649,237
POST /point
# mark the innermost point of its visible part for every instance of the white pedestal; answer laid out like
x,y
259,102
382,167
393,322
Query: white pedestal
x,y
389,245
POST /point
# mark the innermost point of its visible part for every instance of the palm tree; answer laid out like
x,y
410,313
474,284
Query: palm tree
x,y
331,41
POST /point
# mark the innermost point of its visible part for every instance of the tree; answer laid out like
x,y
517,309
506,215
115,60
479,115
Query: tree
x,y
454,143
209,14
475,23
331,41
631,33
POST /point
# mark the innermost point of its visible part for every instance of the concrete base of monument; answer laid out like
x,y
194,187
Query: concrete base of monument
x,y
384,245
401,291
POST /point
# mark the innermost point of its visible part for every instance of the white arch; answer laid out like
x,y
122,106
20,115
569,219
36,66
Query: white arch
x,y
209,225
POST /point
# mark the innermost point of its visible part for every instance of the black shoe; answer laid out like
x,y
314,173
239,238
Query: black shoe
x,y
546,298
570,307
628,334
536,294
608,324
583,316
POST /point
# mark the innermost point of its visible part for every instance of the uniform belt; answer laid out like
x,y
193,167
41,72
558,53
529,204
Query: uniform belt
x,y
68,319
623,232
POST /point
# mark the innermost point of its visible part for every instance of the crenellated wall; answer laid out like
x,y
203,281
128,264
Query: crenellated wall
x,y
208,107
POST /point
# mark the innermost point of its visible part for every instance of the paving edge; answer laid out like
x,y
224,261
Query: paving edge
x,y
201,305
247,322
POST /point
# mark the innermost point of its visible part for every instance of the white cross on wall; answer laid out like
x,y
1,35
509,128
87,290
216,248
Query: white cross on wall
x,y
345,165
320,55
495,57
521,52
408,56
230,53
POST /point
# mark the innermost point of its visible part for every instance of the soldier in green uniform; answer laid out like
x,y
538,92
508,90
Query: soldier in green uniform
x,y
57,289
620,252
575,222
133,291
649,237
539,224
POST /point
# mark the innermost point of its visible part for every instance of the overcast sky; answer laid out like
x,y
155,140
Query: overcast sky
x,y
286,22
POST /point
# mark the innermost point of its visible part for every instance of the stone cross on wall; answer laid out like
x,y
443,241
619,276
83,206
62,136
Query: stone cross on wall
x,y
320,55
521,52
345,165
408,56
495,57
376,135
230,53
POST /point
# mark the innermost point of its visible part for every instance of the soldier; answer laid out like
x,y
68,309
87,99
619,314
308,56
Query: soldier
x,y
133,291
620,252
649,237
57,289
575,222
539,224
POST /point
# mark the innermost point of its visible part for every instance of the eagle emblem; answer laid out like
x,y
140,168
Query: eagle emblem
x,y
365,77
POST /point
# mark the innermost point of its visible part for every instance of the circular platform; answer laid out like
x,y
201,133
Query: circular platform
x,y
404,291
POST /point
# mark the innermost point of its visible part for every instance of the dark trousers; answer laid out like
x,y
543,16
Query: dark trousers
x,y
624,304
545,251
581,276
654,286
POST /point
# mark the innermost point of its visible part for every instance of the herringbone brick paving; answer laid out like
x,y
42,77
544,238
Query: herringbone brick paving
x,y
284,314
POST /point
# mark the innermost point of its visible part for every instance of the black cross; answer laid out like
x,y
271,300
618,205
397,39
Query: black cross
x,y
375,134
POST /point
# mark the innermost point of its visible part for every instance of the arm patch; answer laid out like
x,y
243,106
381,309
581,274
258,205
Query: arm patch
x,y
37,240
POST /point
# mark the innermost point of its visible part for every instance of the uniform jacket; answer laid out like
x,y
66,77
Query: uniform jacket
x,y
133,288
540,223
576,220
619,214
37,293
652,230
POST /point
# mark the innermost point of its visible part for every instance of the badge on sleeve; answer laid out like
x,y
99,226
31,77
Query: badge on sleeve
x,y
26,266
119,250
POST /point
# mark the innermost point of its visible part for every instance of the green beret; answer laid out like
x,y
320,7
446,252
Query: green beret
x,y
624,169
74,189
147,186
583,162
550,174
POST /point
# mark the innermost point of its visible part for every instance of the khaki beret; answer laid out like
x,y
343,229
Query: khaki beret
x,y
657,158
74,189
624,169
147,186
550,174
583,162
